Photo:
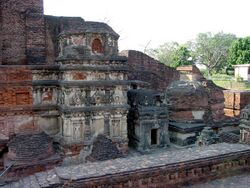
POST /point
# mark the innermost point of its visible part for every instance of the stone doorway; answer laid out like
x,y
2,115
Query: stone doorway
x,y
154,136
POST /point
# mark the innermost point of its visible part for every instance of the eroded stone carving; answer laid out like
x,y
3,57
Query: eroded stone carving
x,y
245,125
207,137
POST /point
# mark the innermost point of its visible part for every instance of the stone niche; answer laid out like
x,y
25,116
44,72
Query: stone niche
x,y
75,129
94,39
83,128
147,120
45,95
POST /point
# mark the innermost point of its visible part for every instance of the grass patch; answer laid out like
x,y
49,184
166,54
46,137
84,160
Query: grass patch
x,y
232,84
229,82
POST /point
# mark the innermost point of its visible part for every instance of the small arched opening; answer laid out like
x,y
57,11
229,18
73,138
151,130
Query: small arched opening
x,y
97,46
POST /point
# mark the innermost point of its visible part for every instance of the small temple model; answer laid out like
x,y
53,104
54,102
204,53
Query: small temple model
x,y
147,119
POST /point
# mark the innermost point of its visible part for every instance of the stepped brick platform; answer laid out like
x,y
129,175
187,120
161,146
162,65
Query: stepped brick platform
x,y
30,153
103,149
167,168
30,147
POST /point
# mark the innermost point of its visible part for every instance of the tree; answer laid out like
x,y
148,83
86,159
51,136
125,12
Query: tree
x,y
171,54
212,50
239,52
182,56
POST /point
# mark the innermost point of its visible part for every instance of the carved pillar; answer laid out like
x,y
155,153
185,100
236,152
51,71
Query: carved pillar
x,y
106,125
87,130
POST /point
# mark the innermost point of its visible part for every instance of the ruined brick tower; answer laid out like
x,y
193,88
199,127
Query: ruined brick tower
x,y
92,86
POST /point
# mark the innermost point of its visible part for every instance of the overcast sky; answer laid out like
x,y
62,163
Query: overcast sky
x,y
139,22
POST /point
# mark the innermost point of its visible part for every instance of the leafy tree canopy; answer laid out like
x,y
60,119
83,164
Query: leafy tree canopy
x,y
172,54
207,49
212,50
239,52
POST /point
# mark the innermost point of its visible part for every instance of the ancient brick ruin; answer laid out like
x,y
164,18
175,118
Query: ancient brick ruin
x,y
147,120
66,80
146,69
168,169
235,101
194,103
66,91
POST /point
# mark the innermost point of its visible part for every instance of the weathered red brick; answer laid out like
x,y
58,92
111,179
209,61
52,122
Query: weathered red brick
x,y
22,27
144,68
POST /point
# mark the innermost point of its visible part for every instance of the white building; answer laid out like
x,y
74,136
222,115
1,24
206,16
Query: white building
x,y
242,71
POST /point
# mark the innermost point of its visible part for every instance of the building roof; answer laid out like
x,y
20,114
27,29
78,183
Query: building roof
x,y
99,27
77,25
242,65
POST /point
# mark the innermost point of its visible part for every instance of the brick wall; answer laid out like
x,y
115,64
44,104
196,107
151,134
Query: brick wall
x,y
216,101
144,68
22,31
15,96
1,34
15,101
199,164
235,101
180,174
15,86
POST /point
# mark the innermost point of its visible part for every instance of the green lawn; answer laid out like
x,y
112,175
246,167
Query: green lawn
x,y
228,82
232,84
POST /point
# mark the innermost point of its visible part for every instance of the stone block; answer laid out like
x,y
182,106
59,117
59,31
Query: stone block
x,y
236,99
231,112
241,99
181,115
